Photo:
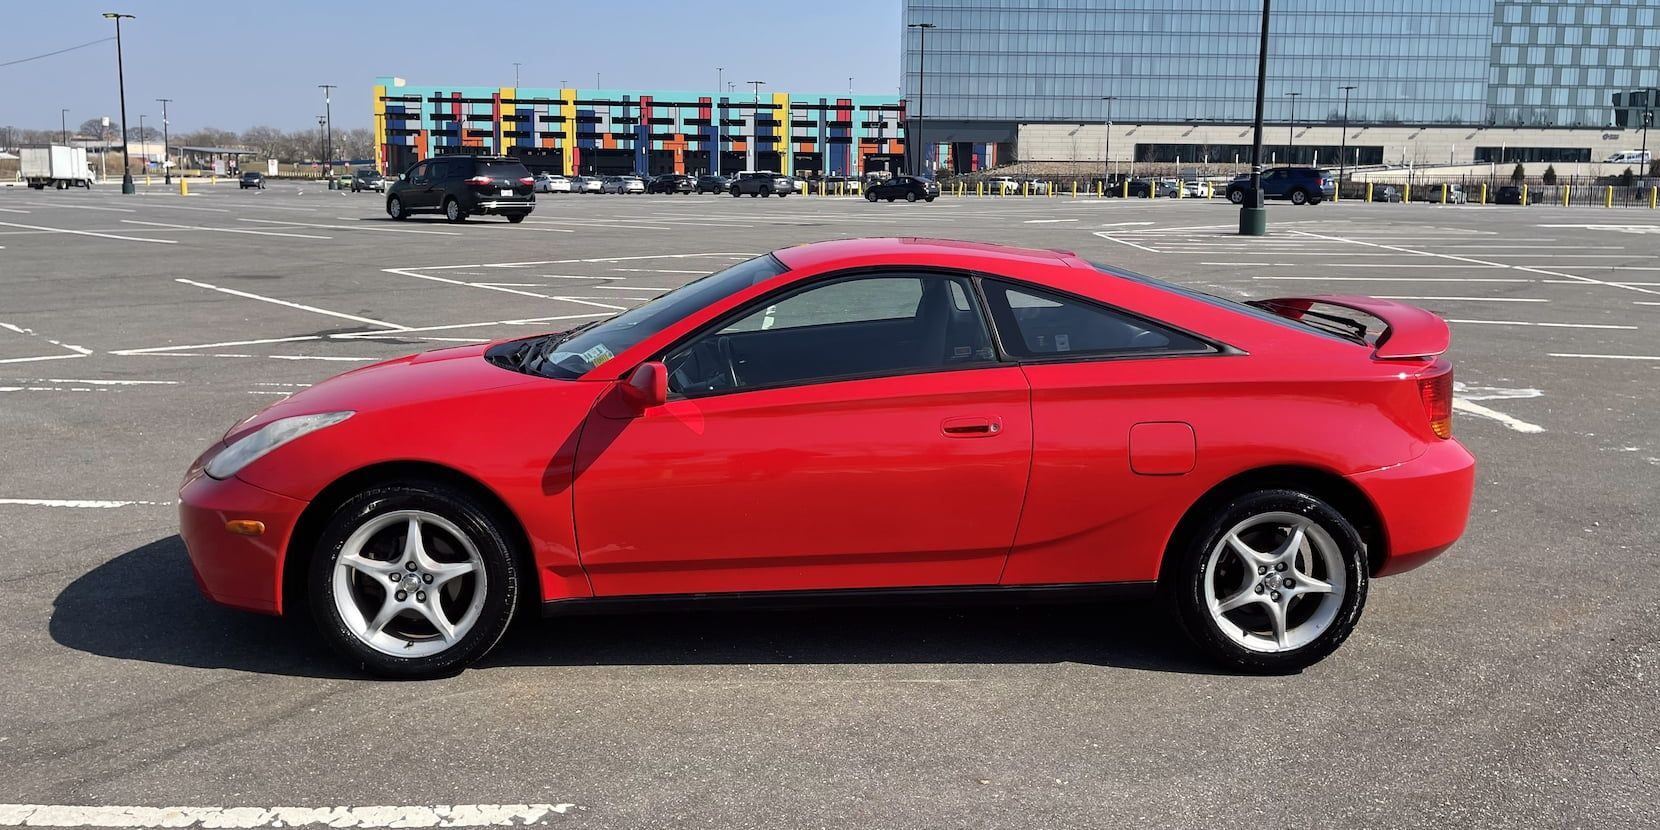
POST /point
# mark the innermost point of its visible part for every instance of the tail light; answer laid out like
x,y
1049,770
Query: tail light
x,y
481,181
1437,395
527,180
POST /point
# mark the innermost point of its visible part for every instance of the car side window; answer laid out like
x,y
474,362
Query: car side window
x,y
419,170
1033,323
860,327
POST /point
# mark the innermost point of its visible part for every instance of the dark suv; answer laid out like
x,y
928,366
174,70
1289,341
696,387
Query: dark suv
x,y
253,179
461,186
909,188
762,183
671,183
713,184
1302,185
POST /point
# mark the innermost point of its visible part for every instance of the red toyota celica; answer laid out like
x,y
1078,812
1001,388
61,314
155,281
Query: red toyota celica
x,y
900,417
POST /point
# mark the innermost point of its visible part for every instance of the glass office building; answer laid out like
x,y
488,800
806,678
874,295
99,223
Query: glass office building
x,y
995,64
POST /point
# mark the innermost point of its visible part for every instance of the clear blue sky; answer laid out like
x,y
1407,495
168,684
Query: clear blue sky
x,y
232,64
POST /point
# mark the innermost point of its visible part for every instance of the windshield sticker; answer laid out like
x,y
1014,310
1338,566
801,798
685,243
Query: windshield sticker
x,y
597,355
1063,343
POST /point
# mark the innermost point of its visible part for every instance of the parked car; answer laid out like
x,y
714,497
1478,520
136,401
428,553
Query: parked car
x,y
1194,189
842,184
1508,195
1146,188
672,183
909,188
622,184
251,179
552,183
587,184
761,183
839,420
1002,185
463,186
1432,193
713,184
1385,193
1300,185
368,180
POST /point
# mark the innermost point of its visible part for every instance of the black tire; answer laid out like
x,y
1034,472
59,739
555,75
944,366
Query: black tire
x,y
453,211
735,193
767,193
910,197
1184,581
890,199
1298,196
394,209
516,218
1236,196
484,529
929,199
871,197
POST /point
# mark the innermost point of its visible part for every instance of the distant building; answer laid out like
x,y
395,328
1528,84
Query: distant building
x,y
609,131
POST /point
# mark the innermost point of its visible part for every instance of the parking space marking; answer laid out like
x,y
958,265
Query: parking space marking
x,y
301,306
1471,408
348,227
77,207
167,206
1608,356
12,210
1464,299
1386,279
89,233
441,815
1543,325
99,504
222,230
662,270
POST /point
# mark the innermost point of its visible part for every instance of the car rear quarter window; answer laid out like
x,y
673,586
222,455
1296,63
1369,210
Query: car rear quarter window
x,y
1034,323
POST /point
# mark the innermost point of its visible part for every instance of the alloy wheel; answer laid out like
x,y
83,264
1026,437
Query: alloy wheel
x,y
409,583
1274,582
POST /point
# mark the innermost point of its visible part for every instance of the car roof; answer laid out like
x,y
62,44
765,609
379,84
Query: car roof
x,y
912,251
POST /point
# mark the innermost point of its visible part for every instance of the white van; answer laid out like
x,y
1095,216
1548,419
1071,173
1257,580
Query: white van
x,y
1629,157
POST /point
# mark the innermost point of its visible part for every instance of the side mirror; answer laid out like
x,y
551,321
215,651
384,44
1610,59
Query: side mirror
x,y
648,385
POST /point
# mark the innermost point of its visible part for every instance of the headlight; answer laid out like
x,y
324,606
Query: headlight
x,y
254,445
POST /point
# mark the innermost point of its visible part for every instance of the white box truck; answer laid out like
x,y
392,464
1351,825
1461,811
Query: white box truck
x,y
55,166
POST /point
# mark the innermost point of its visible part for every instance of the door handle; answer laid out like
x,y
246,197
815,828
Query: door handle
x,y
971,427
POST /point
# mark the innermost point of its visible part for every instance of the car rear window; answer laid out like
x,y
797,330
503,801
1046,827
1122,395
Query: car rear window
x,y
1212,299
503,169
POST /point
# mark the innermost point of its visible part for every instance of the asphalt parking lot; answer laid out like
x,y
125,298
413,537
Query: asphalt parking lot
x,y
1509,684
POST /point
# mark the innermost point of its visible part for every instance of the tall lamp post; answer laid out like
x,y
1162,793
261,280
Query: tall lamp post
x,y
1106,153
328,131
1648,121
323,147
63,124
755,120
142,142
166,166
1291,128
921,83
1253,217
121,80
1342,154
714,115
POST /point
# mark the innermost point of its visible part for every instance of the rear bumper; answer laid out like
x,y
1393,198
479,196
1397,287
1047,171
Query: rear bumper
x,y
1424,504
240,571
503,206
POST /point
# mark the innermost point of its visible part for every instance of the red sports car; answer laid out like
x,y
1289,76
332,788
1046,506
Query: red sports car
x,y
898,416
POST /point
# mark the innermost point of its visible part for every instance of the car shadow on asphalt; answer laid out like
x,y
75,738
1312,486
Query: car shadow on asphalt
x,y
143,605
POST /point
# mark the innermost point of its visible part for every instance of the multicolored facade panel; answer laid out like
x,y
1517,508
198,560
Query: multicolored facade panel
x,y
608,131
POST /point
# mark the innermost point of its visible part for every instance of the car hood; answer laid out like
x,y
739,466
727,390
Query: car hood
x,y
390,384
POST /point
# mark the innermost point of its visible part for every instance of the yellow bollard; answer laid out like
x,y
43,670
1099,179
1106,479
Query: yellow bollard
x,y
1653,196
1608,197
980,188
1524,194
1074,188
1443,193
1210,190
1337,193
1484,193
1100,186
1565,189
1026,188
1368,193
1406,193
146,179
1126,188
184,186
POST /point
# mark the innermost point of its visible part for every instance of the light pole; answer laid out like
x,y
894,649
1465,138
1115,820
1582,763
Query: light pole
x,y
516,66
1343,153
1291,127
714,115
328,131
63,124
1106,153
322,142
1648,121
121,81
166,168
921,83
755,119
141,142
1253,217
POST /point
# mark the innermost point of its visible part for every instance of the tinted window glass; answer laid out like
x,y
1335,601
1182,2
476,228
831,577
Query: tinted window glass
x,y
1036,323
592,347
422,169
864,327
503,169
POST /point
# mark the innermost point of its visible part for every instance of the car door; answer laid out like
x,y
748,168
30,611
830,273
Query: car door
x,y
856,433
417,189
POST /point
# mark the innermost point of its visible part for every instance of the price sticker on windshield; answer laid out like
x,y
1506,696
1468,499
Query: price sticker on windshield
x,y
597,355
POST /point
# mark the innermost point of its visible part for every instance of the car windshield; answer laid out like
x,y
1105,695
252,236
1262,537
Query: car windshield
x,y
575,353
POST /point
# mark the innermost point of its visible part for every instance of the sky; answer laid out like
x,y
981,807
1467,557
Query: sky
x,y
233,65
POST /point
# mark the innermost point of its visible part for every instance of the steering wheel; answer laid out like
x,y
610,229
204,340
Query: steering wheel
x,y
724,347
710,379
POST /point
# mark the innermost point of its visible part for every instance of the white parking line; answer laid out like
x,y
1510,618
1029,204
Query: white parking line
x,y
12,210
1609,356
442,815
222,230
90,233
1529,269
1477,409
1390,279
1543,325
662,270
348,227
78,207
321,357
1464,299
83,503
342,315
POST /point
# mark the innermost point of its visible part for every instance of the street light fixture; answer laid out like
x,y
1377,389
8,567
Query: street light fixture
x,y
1106,153
121,81
714,114
921,83
166,167
328,130
1253,217
63,124
1291,127
755,119
1343,152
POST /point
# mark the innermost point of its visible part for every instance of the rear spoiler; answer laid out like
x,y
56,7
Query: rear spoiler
x,y
1409,331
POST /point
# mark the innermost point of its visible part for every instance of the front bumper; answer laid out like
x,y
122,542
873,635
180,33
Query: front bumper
x,y
240,571
1424,504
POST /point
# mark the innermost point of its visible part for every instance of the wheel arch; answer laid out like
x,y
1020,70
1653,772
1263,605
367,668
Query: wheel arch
x,y
309,528
1342,494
